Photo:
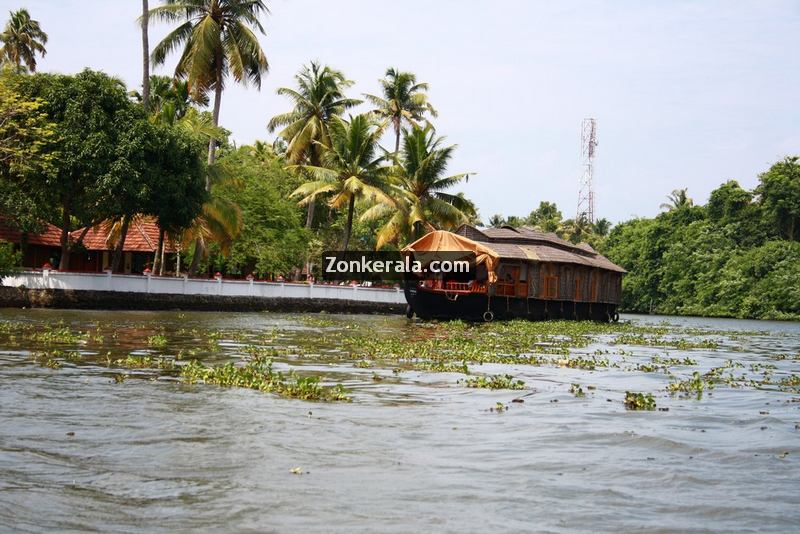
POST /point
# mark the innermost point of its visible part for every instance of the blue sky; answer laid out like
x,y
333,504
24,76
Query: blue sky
x,y
686,94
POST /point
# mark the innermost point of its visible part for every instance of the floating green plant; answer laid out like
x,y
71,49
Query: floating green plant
x,y
493,382
158,341
258,374
54,358
696,385
577,390
499,407
59,334
439,366
673,361
45,359
134,361
639,401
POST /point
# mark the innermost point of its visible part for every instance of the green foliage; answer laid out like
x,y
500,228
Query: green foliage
x,y
695,385
26,136
546,217
170,99
272,239
258,374
419,188
108,160
217,40
91,110
731,258
639,401
318,97
577,390
493,382
403,100
779,192
22,39
351,171
157,341
9,260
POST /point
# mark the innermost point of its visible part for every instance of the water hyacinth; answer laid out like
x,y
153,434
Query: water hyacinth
x,y
258,374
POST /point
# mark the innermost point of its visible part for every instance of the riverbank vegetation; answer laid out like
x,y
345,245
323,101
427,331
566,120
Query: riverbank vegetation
x,y
736,256
80,150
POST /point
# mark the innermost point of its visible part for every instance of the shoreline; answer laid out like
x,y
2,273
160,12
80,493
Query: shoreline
x,y
13,297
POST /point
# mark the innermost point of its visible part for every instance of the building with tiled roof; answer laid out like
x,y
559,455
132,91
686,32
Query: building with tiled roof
x,y
38,248
92,248
140,246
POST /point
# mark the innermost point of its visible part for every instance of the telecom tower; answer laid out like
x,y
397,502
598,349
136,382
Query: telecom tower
x,y
586,184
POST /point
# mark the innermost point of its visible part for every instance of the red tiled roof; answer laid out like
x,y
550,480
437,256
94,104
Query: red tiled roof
x,y
49,237
142,236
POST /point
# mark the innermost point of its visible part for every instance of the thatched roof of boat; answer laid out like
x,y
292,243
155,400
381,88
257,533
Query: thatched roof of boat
x,y
528,244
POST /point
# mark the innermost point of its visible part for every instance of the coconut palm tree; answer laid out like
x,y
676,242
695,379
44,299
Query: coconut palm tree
x,y
220,222
679,198
319,96
351,169
419,187
22,39
403,101
218,41
145,22
496,221
602,227
170,99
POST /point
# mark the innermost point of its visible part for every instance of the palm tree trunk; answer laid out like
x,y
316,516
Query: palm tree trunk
x,y
63,265
199,246
349,226
145,57
310,214
123,233
163,250
157,261
397,136
212,143
313,158
199,251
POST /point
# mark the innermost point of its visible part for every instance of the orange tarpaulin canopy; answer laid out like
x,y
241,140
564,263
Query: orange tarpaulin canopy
x,y
441,241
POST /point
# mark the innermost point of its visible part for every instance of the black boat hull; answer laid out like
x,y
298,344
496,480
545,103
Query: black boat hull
x,y
427,304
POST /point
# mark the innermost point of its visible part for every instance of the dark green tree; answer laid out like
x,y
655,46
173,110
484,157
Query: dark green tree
x,y
546,217
90,110
779,196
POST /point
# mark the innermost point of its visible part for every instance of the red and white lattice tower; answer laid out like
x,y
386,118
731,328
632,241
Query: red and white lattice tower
x,y
586,184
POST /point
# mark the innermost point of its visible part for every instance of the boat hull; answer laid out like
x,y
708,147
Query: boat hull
x,y
427,304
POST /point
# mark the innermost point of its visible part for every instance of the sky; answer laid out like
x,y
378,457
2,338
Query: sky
x,y
686,94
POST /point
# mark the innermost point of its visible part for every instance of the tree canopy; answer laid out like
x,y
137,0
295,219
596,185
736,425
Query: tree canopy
x,y
108,160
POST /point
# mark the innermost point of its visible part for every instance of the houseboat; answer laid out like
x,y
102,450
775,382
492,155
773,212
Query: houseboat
x,y
517,273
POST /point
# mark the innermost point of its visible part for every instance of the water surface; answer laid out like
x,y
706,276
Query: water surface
x,y
414,450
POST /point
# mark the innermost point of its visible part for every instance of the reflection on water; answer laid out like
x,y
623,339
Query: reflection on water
x,y
415,450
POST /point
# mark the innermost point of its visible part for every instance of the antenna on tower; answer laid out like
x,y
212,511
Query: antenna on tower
x,y
586,183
